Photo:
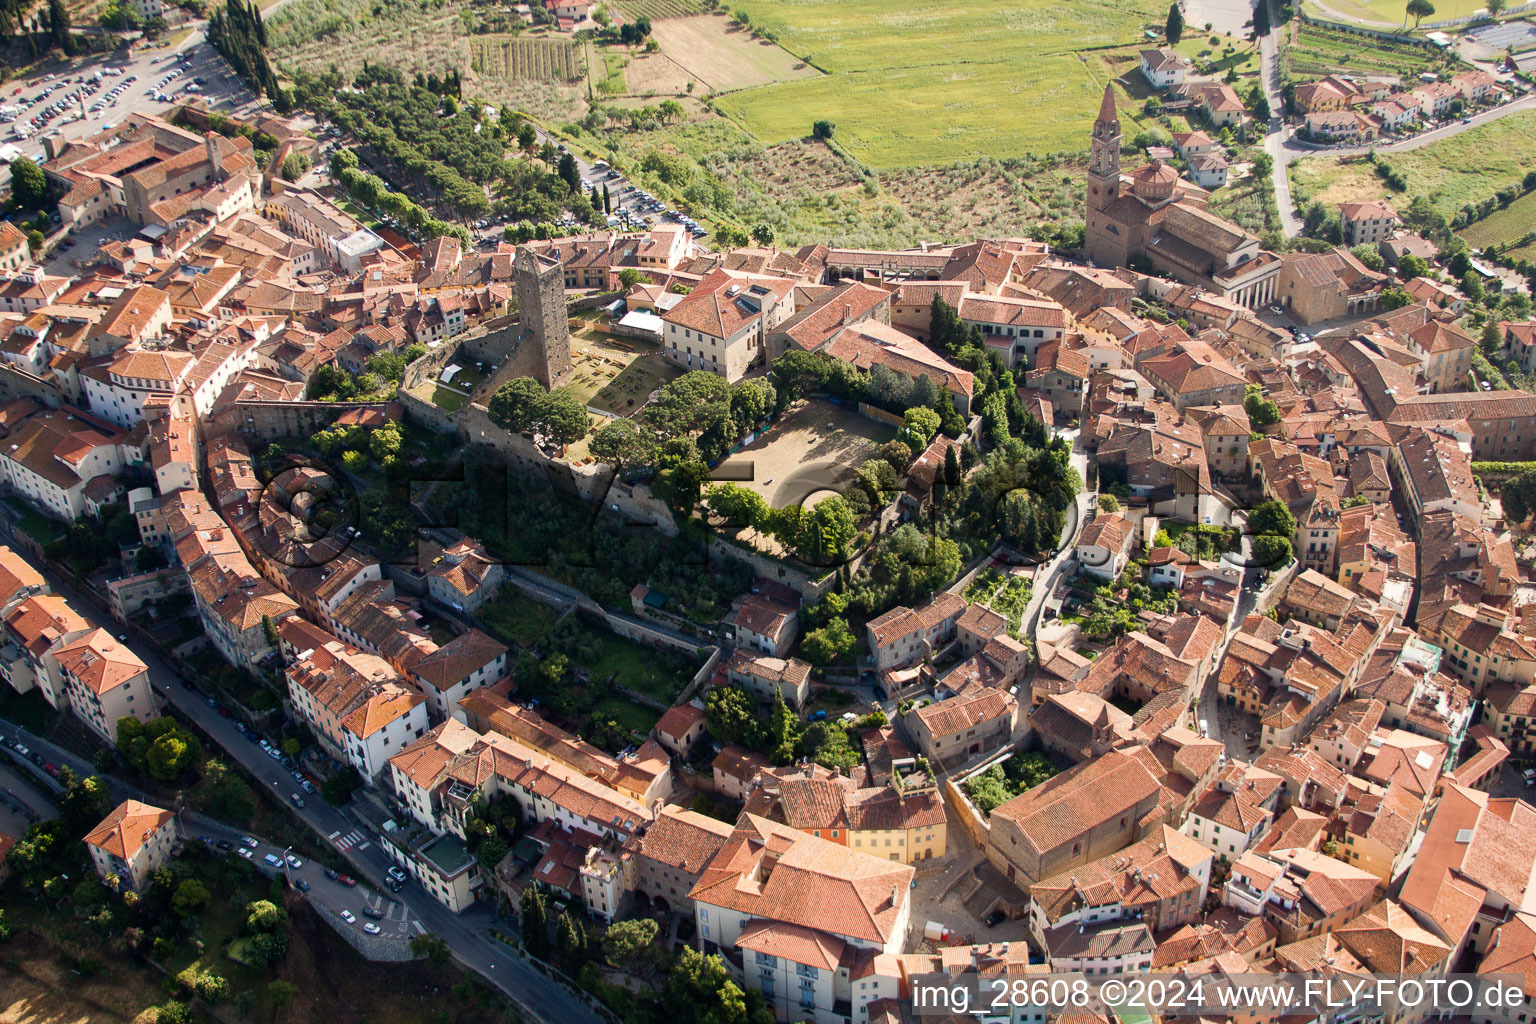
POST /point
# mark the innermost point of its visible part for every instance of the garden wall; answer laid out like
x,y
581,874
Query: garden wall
x,y
270,420
382,948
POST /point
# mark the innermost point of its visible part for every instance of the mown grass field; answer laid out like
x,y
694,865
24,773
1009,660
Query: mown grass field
x,y
935,114
1450,173
910,84
1513,222
1390,12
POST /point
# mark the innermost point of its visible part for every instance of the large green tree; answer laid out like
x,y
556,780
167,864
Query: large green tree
x,y
1273,518
29,187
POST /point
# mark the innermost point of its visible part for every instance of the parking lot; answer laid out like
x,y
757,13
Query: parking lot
x,y
84,105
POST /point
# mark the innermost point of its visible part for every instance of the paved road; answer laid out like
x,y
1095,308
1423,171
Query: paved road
x,y
1274,142
465,933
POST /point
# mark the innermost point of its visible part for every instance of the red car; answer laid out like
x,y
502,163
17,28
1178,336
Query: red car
x,y
347,880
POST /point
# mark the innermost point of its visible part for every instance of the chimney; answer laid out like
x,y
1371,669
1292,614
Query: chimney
x,y
847,312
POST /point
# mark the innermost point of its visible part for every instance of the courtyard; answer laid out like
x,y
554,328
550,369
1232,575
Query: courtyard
x,y
615,376
814,446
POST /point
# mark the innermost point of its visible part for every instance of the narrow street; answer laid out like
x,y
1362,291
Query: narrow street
x,y
498,964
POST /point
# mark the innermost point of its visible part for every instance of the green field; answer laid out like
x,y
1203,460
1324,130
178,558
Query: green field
x,y
1452,172
1510,224
1390,12
1197,46
1319,51
517,619
910,117
910,84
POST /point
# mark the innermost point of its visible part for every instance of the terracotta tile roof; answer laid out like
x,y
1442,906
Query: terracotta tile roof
x,y
458,659
681,839
99,661
1074,802
872,343
1160,867
767,870
901,620
956,715
124,832
724,302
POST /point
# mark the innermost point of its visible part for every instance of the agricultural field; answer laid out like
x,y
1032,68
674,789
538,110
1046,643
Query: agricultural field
x,y
1318,51
525,58
658,10
721,57
1510,224
809,194
608,76
1387,13
1464,168
934,114
912,84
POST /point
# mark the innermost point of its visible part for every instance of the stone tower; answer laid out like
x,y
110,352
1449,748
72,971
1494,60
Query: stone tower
x,y
1104,158
540,287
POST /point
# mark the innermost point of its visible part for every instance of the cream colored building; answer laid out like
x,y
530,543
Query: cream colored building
x,y
131,843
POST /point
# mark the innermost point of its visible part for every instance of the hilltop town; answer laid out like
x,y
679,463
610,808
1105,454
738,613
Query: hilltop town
x,y
629,621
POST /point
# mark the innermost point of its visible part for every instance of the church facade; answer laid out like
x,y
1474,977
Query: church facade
x,y
1153,213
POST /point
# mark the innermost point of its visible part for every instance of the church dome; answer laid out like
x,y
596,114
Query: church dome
x,y
1155,181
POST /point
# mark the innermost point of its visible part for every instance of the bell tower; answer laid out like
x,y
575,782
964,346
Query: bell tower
x,y
1104,156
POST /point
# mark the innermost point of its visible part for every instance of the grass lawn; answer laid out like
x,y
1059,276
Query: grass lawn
x,y
910,84
634,667
36,525
1513,222
627,713
1452,172
1198,46
516,619
445,398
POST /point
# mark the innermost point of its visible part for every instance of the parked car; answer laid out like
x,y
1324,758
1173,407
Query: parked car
x,y
301,885
274,860
224,844
298,801
347,880
249,841
397,873
346,915
993,919
21,748
373,912
247,854
293,862
371,928
332,874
